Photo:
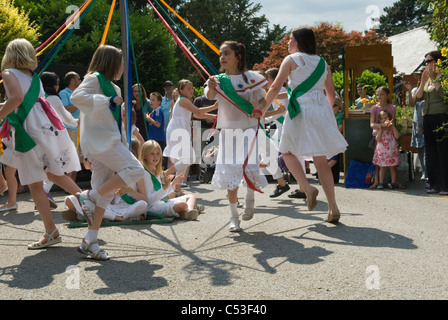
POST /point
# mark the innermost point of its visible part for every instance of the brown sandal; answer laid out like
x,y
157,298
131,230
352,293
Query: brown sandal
x,y
311,195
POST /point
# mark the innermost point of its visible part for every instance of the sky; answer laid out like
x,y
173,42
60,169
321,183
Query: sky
x,y
352,14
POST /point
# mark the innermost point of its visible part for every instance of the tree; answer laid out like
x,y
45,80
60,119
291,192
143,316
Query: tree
x,y
153,44
15,23
331,41
221,20
402,16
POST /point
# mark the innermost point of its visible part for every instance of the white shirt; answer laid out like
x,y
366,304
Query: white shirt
x,y
98,128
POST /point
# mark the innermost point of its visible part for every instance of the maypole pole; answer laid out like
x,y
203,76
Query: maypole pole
x,y
127,72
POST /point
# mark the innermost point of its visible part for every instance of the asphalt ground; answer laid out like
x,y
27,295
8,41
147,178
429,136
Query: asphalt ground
x,y
388,245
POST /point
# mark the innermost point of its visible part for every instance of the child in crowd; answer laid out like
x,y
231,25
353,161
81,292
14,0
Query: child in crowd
x,y
156,120
39,145
50,82
387,151
382,96
158,188
181,152
113,165
245,89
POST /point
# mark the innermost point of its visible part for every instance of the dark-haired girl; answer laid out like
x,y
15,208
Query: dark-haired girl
x,y
310,127
245,89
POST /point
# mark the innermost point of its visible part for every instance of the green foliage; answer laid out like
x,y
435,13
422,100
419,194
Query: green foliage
x,y
338,80
15,23
153,45
221,20
373,80
402,16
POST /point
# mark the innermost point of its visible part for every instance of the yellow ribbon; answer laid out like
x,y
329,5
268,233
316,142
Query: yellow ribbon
x,y
192,29
65,29
103,40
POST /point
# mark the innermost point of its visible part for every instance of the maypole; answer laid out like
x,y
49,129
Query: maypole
x,y
127,71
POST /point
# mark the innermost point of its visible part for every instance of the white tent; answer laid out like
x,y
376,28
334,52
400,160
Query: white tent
x,y
409,49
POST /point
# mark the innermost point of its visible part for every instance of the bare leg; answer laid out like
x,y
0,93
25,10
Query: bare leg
x,y
43,206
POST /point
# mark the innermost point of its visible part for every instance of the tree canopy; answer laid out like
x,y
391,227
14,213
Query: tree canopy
x,y
15,23
331,40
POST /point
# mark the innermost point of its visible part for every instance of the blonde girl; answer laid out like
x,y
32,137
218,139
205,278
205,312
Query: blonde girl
x,y
113,165
38,138
183,207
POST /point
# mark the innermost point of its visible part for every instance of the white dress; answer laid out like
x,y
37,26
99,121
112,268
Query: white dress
x,y
178,136
52,153
313,132
236,136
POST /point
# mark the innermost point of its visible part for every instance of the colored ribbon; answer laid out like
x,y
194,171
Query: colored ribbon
x,y
109,91
304,87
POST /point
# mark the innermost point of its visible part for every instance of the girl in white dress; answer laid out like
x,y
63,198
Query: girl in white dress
x,y
179,146
113,165
183,207
246,87
39,147
310,127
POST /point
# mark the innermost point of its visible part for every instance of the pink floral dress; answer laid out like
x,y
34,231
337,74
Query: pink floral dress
x,y
387,151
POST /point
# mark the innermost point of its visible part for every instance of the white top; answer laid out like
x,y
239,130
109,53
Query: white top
x,y
179,127
229,116
65,116
98,128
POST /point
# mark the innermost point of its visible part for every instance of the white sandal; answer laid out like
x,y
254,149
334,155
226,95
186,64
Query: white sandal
x,y
84,248
51,240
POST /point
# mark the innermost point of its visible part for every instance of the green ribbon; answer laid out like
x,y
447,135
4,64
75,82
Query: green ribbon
x,y
229,90
304,87
22,140
128,199
109,91
155,181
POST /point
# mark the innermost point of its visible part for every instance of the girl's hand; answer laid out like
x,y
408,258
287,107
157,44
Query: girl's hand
x,y
281,108
118,100
123,190
177,180
212,83
256,113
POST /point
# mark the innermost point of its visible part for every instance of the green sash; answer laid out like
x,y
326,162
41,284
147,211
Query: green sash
x,y
109,91
230,92
304,87
22,140
128,199
155,181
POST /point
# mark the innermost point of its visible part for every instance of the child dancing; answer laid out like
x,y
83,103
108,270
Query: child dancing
x,y
38,137
238,129
113,165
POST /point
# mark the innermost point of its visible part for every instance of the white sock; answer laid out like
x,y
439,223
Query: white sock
x,y
92,235
233,210
250,198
